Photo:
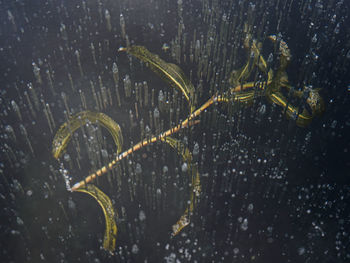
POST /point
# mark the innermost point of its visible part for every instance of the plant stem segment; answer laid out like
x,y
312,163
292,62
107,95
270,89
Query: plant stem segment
x,y
186,123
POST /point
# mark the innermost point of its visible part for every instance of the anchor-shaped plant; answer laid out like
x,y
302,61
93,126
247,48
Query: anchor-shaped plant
x,y
241,92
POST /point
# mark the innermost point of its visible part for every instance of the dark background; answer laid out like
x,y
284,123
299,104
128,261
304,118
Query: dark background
x,y
271,191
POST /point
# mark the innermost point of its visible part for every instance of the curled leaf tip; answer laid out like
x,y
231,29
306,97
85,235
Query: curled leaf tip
x,y
168,71
110,214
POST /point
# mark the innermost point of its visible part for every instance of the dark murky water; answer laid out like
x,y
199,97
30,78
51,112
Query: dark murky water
x,y
270,191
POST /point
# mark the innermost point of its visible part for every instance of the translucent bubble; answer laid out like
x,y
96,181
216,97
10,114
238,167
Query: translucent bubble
x,y
244,225
262,109
8,129
184,167
127,85
138,169
15,232
71,204
114,68
104,153
161,96
250,208
301,251
334,124
196,149
135,249
314,38
16,185
142,215
337,29
348,54
165,169
107,14
19,221
171,258
156,113
66,157
270,58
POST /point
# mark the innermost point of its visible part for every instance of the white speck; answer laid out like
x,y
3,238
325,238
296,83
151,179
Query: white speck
x,y
184,167
244,225
142,215
66,157
250,208
262,109
165,169
301,251
104,153
19,221
135,249
138,169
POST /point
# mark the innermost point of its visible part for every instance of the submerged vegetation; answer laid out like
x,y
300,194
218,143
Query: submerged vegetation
x,y
174,131
270,87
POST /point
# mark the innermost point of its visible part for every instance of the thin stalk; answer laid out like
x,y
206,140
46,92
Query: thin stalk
x,y
186,123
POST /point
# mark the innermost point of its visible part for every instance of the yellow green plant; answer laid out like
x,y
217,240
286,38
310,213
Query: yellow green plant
x,y
241,92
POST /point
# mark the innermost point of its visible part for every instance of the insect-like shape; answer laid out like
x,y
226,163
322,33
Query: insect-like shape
x,y
241,92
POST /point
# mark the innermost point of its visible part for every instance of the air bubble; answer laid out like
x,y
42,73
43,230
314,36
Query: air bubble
x,y
195,149
135,249
244,225
142,215
104,153
66,157
184,167
138,169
